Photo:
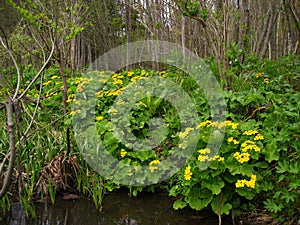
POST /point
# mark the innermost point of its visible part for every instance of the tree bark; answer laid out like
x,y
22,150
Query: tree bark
x,y
12,148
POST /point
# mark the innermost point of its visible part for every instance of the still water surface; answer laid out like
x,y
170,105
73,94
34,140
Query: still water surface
x,y
118,209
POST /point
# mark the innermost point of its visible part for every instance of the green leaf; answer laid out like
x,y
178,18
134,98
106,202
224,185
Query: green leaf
x,y
220,208
294,168
282,167
143,154
179,204
252,97
244,169
271,151
214,184
199,199
272,206
246,192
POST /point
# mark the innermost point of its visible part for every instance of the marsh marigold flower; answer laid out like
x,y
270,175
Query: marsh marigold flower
x,y
154,162
266,80
187,173
123,153
250,132
231,139
242,157
258,137
258,75
98,118
248,183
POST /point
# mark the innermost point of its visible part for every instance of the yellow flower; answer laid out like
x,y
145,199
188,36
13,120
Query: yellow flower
x,y
114,92
240,183
251,147
102,81
250,132
152,168
130,73
218,158
120,102
231,139
98,118
54,77
186,132
259,137
258,75
204,151
46,83
154,162
123,153
245,143
203,124
182,144
75,112
118,82
234,126
266,80
248,183
77,102
203,158
113,111
187,173
242,157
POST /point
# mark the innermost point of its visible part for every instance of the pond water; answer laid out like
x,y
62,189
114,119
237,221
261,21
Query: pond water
x,y
118,209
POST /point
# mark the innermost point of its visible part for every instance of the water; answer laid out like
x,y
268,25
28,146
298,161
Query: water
x,y
118,209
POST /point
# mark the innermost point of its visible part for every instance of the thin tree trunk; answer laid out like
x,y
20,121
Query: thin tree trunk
x,y
12,148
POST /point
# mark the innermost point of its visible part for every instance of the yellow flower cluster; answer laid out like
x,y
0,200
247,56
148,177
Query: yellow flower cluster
x,y
114,92
250,132
187,173
154,162
47,83
266,80
258,137
204,151
116,82
186,132
218,158
248,183
75,112
70,98
130,73
98,118
113,111
123,153
202,157
182,144
258,75
209,123
231,139
246,146
83,81
242,157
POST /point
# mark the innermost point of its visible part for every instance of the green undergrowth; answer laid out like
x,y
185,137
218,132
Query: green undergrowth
x,y
256,167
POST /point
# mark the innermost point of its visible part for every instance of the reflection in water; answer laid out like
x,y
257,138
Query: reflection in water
x,y
118,209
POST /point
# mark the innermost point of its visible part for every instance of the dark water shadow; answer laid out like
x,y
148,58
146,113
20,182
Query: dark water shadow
x,y
118,209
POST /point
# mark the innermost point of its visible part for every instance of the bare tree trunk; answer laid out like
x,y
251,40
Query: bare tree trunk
x,y
12,148
269,34
128,31
263,33
183,39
